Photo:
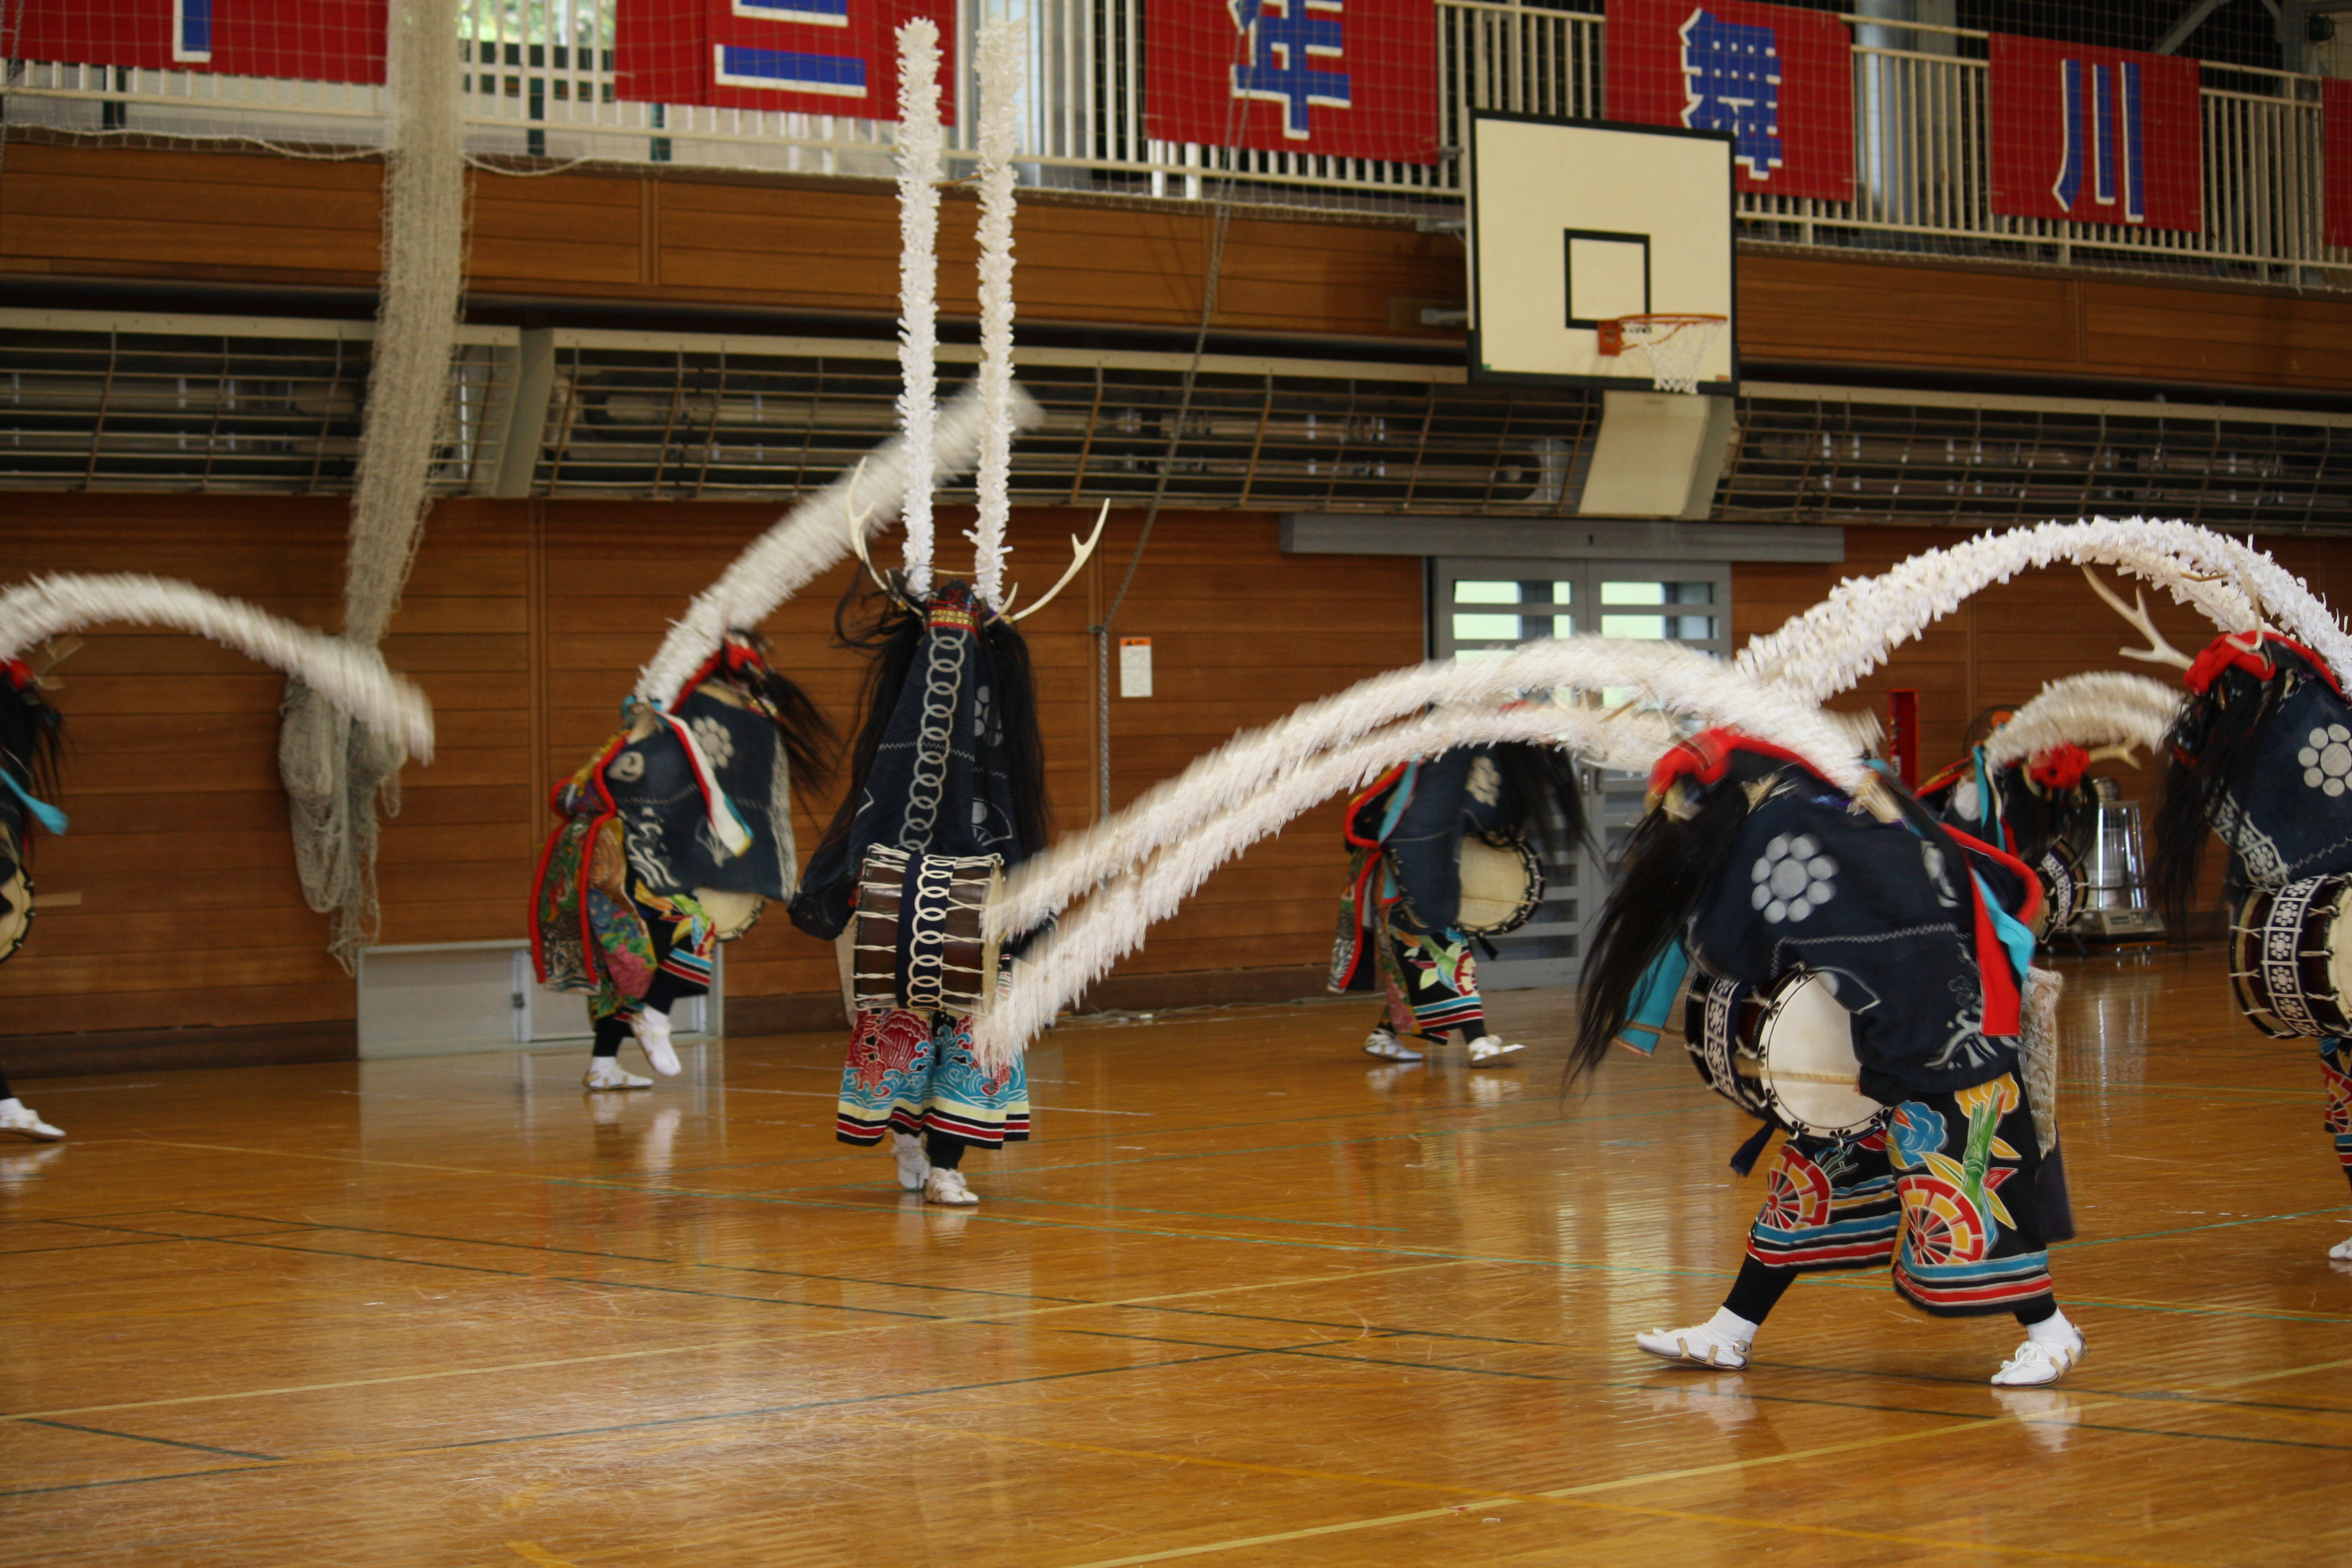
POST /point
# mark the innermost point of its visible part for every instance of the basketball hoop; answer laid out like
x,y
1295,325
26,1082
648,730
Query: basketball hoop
x,y
1676,345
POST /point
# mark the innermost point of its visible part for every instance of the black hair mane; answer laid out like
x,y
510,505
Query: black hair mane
x,y
1541,793
32,738
2209,754
1024,745
1669,863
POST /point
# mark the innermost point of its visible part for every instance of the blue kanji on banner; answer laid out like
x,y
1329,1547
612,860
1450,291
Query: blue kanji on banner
x,y
1731,74
1290,57
2105,129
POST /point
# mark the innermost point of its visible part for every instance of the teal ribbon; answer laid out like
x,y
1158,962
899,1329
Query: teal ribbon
x,y
48,816
1654,995
2011,932
1988,806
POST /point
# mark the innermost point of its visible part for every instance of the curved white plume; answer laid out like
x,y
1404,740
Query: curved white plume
x,y
354,678
1111,923
2106,708
809,539
1837,642
1678,680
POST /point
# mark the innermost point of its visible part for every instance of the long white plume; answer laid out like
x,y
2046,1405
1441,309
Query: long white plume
x,y
354,678
1677,679
1111,923
1837,642
2105,708
1000,101
919,282
811,538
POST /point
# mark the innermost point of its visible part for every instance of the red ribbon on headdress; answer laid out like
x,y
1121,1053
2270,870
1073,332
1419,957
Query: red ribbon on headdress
x,y
2244,650
20,674
1705,755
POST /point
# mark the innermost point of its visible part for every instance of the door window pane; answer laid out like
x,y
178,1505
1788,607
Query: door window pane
x,y
1486,628
1668,624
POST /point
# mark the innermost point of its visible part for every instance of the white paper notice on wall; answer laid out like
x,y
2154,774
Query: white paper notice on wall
x,y
1135,666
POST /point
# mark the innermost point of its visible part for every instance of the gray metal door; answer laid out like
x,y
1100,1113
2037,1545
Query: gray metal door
x,y
1482,608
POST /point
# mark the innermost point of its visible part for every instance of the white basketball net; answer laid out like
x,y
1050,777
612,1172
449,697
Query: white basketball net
x,y
1676,346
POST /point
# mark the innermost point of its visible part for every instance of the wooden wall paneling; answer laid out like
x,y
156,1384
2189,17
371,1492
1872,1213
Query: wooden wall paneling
x,y
570,231
1860,312
2134,328
1241,635
1837,310
527,622
189,910
467,822
831,246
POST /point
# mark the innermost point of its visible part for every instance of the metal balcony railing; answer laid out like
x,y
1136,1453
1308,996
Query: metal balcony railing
x,y
540,93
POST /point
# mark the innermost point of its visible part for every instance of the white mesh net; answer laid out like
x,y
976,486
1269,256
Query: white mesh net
x,y
334,772
1676,346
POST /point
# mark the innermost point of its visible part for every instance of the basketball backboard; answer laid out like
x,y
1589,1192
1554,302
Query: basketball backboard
x,y
1575,222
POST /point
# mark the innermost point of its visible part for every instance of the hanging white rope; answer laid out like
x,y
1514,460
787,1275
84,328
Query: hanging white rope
x,y
334,773
999,60
919,283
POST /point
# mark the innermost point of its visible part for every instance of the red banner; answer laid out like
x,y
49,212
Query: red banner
x,y
2336,160
808,57
2096,135
303,40
1780,80
1351,79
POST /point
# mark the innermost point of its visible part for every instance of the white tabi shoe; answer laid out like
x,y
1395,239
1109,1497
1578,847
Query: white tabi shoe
x,y
946,1188
1695,1346
18,1119
2034,1365
2341,1251
1489,1051
1383,1043
653,1037
914,1165
603,1072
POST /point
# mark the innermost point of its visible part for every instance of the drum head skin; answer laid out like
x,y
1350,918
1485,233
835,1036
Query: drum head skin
x,y
1502,883
1806,1062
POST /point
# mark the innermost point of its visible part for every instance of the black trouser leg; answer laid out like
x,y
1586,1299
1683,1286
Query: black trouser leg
x,y
610,1033
2040,1310
944,1150
1758,1289
5,1092
667,990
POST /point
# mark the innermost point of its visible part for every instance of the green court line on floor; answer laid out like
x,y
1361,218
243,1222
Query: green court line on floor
x,y
143,1438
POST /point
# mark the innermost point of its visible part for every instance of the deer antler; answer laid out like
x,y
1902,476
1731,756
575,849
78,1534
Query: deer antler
x,y
857,522
2157,651
1079,553
2119,752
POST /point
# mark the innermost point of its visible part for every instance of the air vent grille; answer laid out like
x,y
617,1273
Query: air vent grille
x,y
1900,461
227,405
693,422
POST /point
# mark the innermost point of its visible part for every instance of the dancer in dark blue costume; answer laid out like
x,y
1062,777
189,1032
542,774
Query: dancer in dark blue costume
x,y
2263,755
1756,865
948,763
30,732
1400,917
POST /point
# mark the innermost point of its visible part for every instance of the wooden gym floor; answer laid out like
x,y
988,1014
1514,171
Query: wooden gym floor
x,y
1250,1297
